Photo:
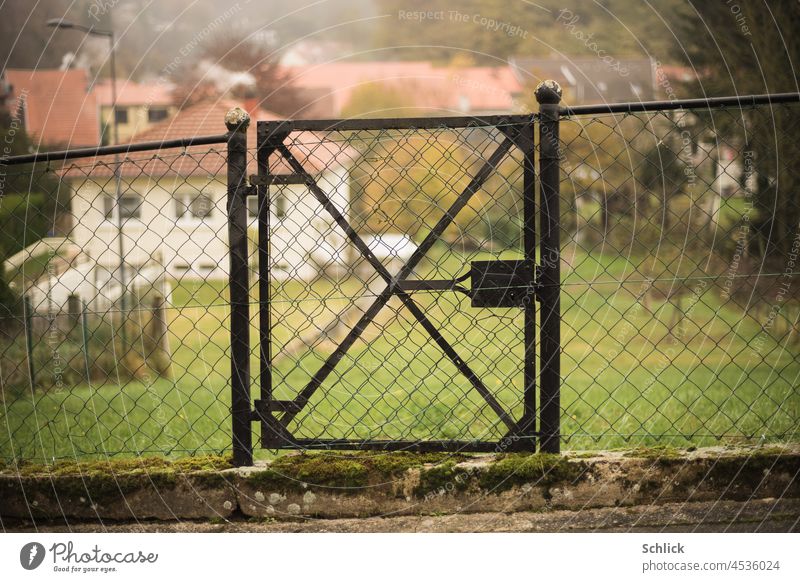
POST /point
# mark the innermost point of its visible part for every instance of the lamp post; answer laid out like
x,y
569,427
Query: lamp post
x,y
92,31
62,24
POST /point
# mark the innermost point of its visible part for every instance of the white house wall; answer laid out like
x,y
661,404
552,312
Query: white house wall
x,y
307,240
198,248
181,246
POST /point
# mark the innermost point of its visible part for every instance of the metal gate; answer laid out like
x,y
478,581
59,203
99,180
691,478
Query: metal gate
x,y
397,283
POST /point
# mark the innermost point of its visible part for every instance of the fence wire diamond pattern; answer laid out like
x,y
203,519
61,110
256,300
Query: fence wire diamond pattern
x,y
680,237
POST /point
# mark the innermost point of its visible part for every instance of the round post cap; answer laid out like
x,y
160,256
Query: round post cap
x,y
237,119
548,92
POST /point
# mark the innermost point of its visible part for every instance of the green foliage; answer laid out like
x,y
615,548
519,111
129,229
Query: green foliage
x,y
378,100
29,203
61,359
752,51
661,171
26,218
491,31
404,177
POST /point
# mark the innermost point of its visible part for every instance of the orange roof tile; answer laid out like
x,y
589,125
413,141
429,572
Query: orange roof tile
x,y
59,108
202,119
132,93
205,118
435,90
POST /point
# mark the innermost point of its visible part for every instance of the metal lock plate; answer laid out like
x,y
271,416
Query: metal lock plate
x,y
501,283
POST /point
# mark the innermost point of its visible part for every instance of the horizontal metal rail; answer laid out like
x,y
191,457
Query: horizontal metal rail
x,y
391,123
431,285
707,103
508,444
92,152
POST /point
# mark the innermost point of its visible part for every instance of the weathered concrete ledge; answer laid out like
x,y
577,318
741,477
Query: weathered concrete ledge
x,y
760,515
342,485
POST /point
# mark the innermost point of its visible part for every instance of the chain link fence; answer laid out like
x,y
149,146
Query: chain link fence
x,y
390,288
357,360
113,336
680,289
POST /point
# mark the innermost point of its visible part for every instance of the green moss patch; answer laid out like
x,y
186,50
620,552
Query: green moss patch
x,y
89,482
104,479
139,465
445,478
657,453
750,470
518,469
341,470
739,473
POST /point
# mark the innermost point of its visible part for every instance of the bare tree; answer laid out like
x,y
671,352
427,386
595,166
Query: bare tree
x,y
232,65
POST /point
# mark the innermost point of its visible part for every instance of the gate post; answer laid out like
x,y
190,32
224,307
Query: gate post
x,y
237,120
548,95
528,423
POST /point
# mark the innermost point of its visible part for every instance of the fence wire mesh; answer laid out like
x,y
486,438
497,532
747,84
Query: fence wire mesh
x,y
680,297
102,356
424,365
679,294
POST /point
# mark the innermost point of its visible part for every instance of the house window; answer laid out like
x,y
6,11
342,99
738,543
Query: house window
x,y
193,206
121,114
252,206
280,205
156,114
130,205
108,207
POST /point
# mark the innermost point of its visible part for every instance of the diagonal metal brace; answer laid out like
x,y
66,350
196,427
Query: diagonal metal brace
x,y
395,283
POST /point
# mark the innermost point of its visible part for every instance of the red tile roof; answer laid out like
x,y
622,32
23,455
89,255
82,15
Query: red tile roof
x,y
132,93
202,119
59,108
434,90
205,118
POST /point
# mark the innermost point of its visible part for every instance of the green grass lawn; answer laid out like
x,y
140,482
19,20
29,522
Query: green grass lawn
x,y
627,379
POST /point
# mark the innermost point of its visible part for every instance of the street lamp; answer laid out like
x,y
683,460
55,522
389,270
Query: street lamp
x,y
92,31
62,24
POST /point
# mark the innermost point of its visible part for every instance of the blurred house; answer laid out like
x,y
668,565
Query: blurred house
x,y
311,51
65,108
57,108
591,79
328,89
676,74
139,106
174,215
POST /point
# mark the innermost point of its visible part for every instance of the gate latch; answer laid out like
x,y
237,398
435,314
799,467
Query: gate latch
x,y
494,283
501,283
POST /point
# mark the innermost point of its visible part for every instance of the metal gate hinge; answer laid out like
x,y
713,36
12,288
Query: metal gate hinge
x,y
264,407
